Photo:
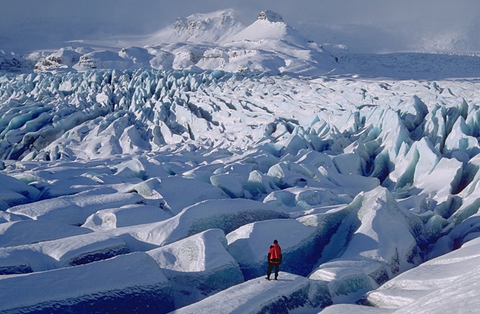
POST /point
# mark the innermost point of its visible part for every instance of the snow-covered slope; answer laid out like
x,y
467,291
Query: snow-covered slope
x,y
444,284
214,41
197,28
269,25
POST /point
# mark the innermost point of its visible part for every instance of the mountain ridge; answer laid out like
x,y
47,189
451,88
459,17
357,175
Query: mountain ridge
x,y
212,41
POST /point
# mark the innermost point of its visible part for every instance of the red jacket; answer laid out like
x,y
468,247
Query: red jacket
x,y
275,254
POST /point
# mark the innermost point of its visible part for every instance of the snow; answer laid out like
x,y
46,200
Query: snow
x,y
247,245
366,251
75,209
257,295
161,167
21,232
55,290
128,215
441,284
200,27
198,266
15,192
222,214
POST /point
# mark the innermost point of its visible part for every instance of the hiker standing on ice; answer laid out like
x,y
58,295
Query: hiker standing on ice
x,y
274,259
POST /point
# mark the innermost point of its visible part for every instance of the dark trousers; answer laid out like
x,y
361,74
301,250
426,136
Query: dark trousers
x,y
270,267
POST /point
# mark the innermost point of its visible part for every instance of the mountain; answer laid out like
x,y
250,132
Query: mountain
x,y
279,45
207,28
270,25
214,41
13,63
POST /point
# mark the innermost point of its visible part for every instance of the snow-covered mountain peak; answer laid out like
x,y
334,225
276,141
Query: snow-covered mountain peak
x,y
209,27
270,16
218,19
270,25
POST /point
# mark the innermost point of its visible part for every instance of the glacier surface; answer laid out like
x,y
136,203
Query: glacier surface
x,y
359,179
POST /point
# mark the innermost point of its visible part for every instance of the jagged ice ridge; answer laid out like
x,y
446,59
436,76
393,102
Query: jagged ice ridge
x,y
327,154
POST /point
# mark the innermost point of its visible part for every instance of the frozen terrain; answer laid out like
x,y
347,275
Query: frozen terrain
x,y
153,176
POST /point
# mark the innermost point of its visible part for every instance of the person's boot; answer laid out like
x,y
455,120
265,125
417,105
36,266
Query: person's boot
x,y
267,278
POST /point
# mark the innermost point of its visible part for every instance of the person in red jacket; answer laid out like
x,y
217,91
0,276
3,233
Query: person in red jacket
x,y
274,259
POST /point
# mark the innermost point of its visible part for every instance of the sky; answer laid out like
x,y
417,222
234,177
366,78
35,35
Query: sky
x,y
361,25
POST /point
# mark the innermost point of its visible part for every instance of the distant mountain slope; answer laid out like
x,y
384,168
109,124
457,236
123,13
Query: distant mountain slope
x,y
210,28
213,41
270,25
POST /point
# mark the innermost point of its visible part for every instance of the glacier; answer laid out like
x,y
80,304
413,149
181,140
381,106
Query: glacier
x,y
365,174
154,178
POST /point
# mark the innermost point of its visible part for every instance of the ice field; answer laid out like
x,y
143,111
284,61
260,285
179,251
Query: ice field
x,y
134,187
